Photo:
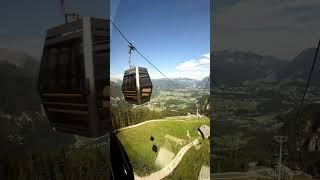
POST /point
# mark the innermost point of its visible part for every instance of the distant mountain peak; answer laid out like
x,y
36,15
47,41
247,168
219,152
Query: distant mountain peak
x,y
16,58
115,79
177,78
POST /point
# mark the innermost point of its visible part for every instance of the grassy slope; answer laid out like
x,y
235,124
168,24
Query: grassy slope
x,y
191,163
139,147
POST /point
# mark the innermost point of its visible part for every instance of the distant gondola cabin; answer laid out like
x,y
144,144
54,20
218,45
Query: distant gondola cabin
x,y
137,85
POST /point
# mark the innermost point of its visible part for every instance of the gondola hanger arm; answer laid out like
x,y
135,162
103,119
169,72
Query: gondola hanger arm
x,y
131,48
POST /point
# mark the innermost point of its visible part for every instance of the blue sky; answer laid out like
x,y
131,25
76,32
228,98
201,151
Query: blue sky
x,y
173,34
24,23
173,31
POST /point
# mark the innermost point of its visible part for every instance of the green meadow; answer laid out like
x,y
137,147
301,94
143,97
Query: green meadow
x,y
140,142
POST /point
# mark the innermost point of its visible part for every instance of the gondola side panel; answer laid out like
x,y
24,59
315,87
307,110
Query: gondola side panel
x,y
100,29
73,86
65,107
89,78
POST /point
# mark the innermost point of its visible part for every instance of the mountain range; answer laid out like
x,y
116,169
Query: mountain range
x,y
18,74
233,68
18,77
164,83
236,67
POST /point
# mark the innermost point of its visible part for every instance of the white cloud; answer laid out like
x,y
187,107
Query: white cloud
x,y
195,68
207,55
156,75
198,68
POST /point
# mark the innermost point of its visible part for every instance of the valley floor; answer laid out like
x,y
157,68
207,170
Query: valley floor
x,y
173,144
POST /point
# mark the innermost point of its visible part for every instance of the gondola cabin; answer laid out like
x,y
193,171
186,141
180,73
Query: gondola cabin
x,y
74,77
136,85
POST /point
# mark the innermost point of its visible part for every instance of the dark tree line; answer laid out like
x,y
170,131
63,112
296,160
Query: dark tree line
x,y
123,117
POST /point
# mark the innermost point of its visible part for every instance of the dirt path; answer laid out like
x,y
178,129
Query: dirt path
x,y
171,166
204,173
156,120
